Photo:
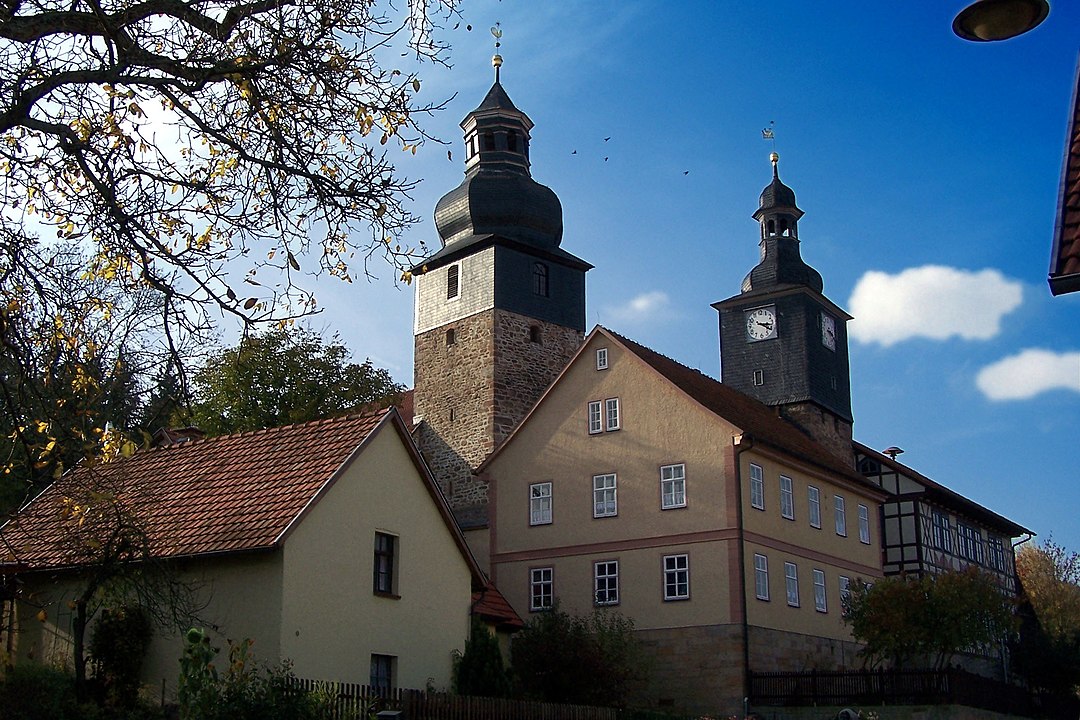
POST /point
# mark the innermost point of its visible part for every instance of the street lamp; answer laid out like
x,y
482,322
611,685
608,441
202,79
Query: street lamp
x,y
987,20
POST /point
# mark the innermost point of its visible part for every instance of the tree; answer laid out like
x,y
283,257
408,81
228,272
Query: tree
x,y
1048,650
480,670
285,376
909,620
590,660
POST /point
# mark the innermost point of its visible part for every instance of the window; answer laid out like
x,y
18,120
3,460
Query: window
x,y
845,589
511,141
864,524
601,359
604,500
996,551
761,577
382,673
672,486
942,531
791,582
676,577
540,504
759,377
819,591
611,414
383,580
489,141
841,517
451,337
787,500
540,279
596,418
606,582
813,499
540,589
453,286
970,542
757,487
534,334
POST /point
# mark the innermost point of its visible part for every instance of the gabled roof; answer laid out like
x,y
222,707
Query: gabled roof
x,y
948,498
228,494
1065,255
757,420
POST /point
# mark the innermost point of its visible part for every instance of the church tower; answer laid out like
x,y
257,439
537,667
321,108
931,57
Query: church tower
x,y
781,340
500,309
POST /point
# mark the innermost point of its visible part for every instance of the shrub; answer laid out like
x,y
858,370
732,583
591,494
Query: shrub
x,y
118,646
479,670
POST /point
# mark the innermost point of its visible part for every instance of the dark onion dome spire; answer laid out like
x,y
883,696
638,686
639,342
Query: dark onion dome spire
x,y
498,196
781,262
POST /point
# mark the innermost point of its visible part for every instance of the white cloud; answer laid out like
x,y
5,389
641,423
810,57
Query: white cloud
x,y
1033,371
933,302
646,306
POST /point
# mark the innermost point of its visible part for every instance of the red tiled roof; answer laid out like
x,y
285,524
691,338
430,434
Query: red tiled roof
x,y
217,495
743,411
491,606
1065,258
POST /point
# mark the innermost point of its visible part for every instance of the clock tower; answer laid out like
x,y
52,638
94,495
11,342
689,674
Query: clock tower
x,y
781,340
500,308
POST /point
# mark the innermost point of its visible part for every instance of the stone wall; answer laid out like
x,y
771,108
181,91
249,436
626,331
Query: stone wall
x,y
781,651
695,669
824,427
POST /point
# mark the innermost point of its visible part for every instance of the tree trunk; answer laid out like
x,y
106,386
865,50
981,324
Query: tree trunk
x,y
79,637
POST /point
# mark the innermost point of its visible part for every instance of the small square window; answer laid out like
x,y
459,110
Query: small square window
x,y
611,414
757,487
672,486
601,359
540,589
540,504
604,496
606,582
676,577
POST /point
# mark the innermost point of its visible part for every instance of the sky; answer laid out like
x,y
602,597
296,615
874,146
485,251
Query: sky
x,y
928,168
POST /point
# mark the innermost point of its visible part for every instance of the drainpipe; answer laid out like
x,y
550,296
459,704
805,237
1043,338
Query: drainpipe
x,y
741,443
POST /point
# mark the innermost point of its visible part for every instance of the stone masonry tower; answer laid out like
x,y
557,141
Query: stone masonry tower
x,y
781,340
500,309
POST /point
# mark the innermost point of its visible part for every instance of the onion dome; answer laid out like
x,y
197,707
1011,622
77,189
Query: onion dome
x,y
781,262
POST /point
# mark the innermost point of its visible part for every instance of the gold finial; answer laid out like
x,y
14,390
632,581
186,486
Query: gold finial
x,y
774,158
496,60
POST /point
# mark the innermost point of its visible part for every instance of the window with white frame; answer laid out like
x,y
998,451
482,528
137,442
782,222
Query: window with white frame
x,y
540,504
787,498
970,542
942,531
676,577
791,583
757,487
596,417
841,515
819,591
864,524
845,589
606,582
761,577
601,359
541,587
611,414
813,500
996,552
604,498
672,486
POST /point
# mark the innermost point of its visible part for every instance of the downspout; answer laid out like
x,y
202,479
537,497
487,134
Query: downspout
x,y
741,443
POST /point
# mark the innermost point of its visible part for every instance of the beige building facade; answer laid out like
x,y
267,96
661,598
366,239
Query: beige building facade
x,y
640,485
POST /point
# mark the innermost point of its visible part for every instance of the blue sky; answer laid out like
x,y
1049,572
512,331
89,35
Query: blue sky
x,y
928,168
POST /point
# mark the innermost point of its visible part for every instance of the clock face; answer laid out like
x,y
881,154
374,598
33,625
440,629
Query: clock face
x,y
828,331
761,324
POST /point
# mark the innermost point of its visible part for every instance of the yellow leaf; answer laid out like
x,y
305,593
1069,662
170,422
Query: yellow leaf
x,y
42,616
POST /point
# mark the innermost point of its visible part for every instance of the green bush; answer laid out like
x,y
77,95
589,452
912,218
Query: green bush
x,y
479,670
118,646
35,692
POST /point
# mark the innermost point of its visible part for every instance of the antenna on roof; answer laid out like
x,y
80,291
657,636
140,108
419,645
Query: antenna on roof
x,y
496,60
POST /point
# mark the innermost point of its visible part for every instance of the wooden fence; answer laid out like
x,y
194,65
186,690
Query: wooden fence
x,y
901,687
352,702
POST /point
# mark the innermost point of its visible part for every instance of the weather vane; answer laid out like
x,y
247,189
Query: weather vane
x,y
496,60
769,133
